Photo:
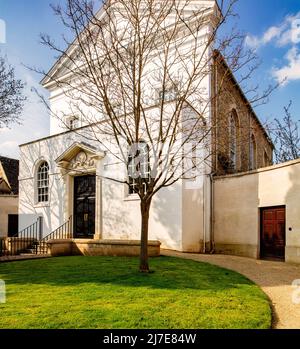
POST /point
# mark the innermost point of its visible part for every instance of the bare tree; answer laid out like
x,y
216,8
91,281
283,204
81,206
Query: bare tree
x,y
11,95
286,135
138,73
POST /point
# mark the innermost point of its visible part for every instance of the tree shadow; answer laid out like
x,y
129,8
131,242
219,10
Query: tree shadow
x,y
169,273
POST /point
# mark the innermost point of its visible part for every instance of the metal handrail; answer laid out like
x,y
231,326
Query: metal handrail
x,y
30,239
24,241
33,228
2,247
65,231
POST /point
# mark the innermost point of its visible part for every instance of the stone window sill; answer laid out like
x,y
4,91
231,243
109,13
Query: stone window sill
x,y
42,204
132,197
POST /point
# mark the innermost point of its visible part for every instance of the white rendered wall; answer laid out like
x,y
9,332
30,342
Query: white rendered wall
x,y
120,213
178,216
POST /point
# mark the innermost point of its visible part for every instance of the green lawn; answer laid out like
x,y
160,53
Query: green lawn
x,y
106,292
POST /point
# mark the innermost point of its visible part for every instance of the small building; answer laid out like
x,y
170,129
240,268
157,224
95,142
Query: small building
x,y
9,196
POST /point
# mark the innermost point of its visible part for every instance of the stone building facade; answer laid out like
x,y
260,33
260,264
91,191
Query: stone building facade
x,y
187,223
247,146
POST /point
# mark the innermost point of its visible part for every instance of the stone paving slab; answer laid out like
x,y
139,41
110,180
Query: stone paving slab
x,y
274,278
7,259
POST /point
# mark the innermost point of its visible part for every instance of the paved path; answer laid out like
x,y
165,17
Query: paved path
x,y
22,258
275,279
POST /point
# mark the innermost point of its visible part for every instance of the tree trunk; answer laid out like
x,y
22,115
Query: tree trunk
x,y
145,210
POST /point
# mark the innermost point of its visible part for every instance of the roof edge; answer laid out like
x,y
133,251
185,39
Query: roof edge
x,y
218,54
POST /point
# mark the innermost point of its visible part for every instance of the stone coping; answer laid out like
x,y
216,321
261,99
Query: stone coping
x,y
104,242
82,247
259,170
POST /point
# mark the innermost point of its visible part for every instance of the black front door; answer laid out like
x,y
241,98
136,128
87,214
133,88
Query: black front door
x,y
84,207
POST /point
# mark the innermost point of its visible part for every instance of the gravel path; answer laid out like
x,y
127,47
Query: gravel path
x,y
274,278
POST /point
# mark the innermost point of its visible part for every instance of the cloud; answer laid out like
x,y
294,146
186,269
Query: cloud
x,y
288,32
9,149
271,34
291,71
292,35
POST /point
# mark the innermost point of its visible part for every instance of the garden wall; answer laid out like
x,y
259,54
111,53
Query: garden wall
x,y
238,200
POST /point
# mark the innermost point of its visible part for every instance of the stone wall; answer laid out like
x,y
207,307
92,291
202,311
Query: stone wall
x,y
228,98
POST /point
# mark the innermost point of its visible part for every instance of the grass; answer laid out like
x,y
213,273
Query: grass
x,y
109,293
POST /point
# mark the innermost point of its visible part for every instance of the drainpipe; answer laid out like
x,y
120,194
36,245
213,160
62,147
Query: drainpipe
x,y
204,214
215,111
215,162
212,214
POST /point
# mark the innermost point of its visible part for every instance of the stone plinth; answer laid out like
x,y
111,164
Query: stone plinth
x,y
81,247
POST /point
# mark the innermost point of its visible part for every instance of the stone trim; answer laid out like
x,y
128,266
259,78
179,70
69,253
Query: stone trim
x,y
80,247
261,170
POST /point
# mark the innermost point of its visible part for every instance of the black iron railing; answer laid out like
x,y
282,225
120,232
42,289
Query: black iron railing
x,y
30,240
65,231
24,242
2,247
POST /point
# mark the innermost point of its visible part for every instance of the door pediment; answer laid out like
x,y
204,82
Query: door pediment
x,y
79,158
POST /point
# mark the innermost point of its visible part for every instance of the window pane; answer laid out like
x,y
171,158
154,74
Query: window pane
x,y
138,168
43,182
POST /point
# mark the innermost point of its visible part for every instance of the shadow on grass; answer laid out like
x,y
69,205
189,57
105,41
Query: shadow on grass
x,y
169,273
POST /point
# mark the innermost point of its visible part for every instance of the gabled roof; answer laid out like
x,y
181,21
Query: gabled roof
x,y
59,65
10,174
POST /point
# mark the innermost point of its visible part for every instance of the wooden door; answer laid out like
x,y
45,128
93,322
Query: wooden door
x,y
84,206
273,233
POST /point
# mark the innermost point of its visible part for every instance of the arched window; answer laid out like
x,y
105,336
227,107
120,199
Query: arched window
x,y
252,153
43,182
138,167
233,135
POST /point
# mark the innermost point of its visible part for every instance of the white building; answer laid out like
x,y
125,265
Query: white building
x,y
103,209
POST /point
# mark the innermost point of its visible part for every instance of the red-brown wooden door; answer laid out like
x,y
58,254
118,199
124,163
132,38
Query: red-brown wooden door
x,y
273,233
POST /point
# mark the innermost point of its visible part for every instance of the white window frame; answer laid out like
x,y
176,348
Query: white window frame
x,y
42,183
145,169
171,94
72,122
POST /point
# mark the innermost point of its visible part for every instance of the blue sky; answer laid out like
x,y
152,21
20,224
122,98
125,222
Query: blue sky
x,y
268,23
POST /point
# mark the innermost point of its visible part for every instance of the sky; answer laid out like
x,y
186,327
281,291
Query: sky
x,y
272,28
